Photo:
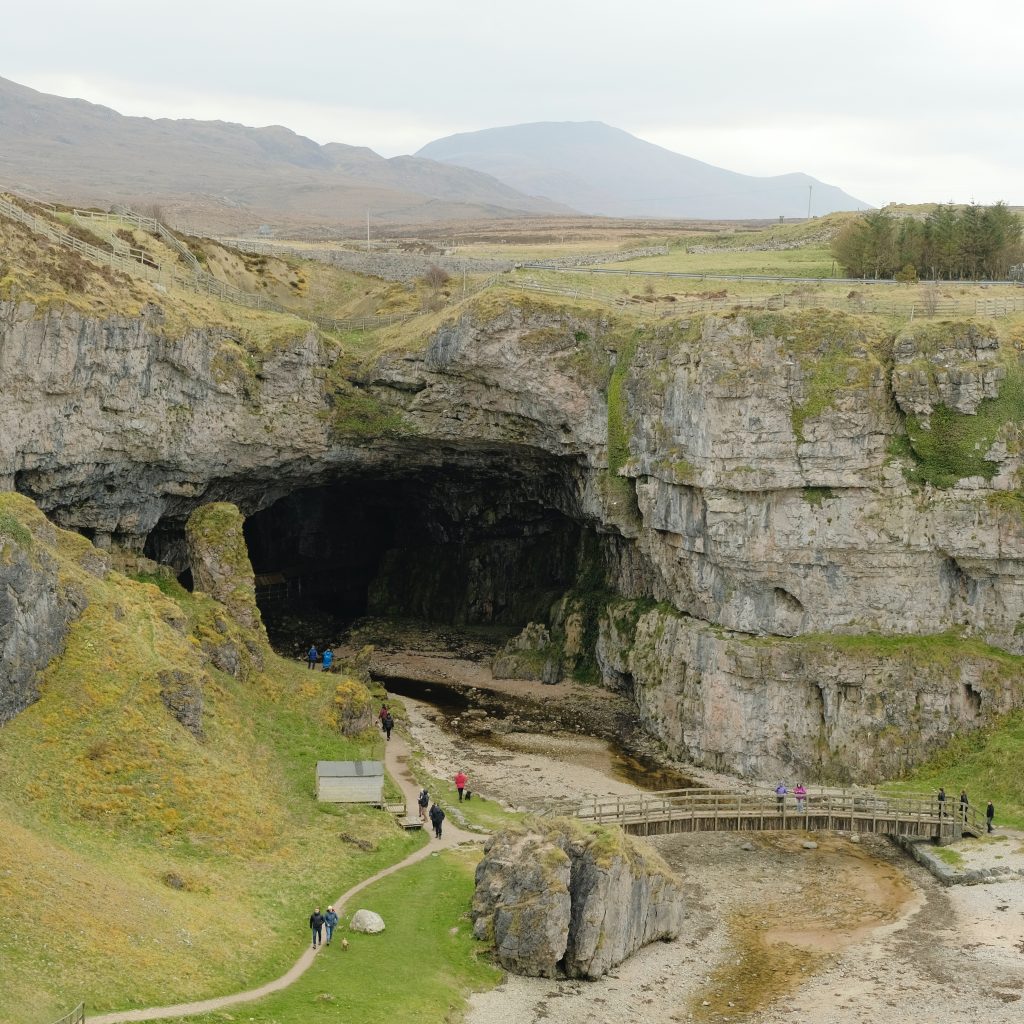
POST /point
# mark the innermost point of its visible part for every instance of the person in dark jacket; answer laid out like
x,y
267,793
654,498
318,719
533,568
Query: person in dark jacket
x,y
437,820
312,655
964,803
316,922
388,723
330,923
423,802
942,801
990,813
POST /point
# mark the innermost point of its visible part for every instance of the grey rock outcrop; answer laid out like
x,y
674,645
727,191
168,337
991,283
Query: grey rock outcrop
x,y
529,655
36,606
182,694
572,901
761,487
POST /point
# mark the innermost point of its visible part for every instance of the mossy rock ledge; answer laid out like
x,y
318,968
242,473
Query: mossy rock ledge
x,y
562,899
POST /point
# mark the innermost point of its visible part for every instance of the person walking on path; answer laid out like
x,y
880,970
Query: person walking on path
x,y
316,922
990,813
964,803
330,923
460,783
382,714
437,820
312,656
942,802
328,659
800,792
780,795
423,800
388,723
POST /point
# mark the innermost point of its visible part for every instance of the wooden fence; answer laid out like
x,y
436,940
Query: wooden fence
x,y
711,810
76,1016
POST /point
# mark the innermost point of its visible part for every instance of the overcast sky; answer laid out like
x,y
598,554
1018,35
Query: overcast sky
x,y
894,101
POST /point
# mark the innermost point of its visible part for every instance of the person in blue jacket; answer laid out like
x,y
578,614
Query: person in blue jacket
x,y
330,918
328,659
312,655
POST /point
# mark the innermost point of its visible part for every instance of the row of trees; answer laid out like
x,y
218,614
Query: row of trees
x,y
966,243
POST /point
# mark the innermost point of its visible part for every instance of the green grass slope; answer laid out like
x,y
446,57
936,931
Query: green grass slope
x,y
139,865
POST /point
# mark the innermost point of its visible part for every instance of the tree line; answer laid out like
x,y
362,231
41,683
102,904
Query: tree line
x,y
966,243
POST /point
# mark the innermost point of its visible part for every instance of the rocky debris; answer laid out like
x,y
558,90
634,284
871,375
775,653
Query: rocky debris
x,y
366,921
809,844
182,694
37,606
950,364
572,901
530,655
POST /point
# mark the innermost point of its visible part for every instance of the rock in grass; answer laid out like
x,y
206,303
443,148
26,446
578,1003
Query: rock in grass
x,y
366,921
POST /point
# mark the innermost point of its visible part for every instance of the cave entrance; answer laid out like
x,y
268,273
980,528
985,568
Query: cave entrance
x,y
447,546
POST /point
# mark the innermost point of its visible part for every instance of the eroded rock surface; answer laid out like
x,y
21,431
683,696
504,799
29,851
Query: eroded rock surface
x,y
572,901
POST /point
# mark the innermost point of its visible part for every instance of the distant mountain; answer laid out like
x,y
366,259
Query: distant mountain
x,y
601,170
229,175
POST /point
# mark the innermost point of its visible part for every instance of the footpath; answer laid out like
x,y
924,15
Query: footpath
x,y
396,759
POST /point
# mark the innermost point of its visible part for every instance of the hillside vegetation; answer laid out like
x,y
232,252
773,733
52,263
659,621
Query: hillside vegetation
x,y
142,865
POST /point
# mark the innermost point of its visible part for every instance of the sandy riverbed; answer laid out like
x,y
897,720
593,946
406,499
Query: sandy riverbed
x,y
840,934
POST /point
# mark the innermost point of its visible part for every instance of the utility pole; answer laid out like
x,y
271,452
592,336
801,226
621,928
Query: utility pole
x,y
810,193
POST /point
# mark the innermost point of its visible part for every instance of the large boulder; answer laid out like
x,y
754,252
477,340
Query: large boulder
x,y
564,899
530,655
366,921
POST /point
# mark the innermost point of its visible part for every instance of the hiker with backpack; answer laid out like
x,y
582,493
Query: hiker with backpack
x,y
436,819
388,723
424,802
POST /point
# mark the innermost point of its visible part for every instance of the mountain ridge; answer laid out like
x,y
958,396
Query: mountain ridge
x,y
610,172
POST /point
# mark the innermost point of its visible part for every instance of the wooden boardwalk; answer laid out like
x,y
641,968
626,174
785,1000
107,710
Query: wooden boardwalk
x,y
710,810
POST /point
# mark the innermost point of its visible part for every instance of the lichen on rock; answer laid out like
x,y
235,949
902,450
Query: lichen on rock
x,y
561,898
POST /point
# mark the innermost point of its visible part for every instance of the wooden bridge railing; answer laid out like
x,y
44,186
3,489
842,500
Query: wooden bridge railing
x,y
703,809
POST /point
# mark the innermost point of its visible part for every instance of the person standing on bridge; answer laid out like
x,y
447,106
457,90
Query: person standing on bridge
x,y
942,802
780,795
990,813
800,792
964,803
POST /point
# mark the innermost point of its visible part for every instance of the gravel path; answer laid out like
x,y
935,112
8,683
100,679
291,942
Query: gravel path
x,y
396,758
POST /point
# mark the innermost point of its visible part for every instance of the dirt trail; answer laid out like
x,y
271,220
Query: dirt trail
x,y
396,758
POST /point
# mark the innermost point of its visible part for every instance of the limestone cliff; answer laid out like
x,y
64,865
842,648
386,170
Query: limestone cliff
x,y
574,901
767,478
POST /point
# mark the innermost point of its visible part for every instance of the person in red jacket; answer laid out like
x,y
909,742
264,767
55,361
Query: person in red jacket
x,y
460,783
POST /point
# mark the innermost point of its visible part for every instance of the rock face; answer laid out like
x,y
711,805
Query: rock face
x,y
36,607
182,694
367,921
572,902
530,655
764,479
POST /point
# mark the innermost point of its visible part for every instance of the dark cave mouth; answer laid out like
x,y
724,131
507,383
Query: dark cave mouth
x,y
444,546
